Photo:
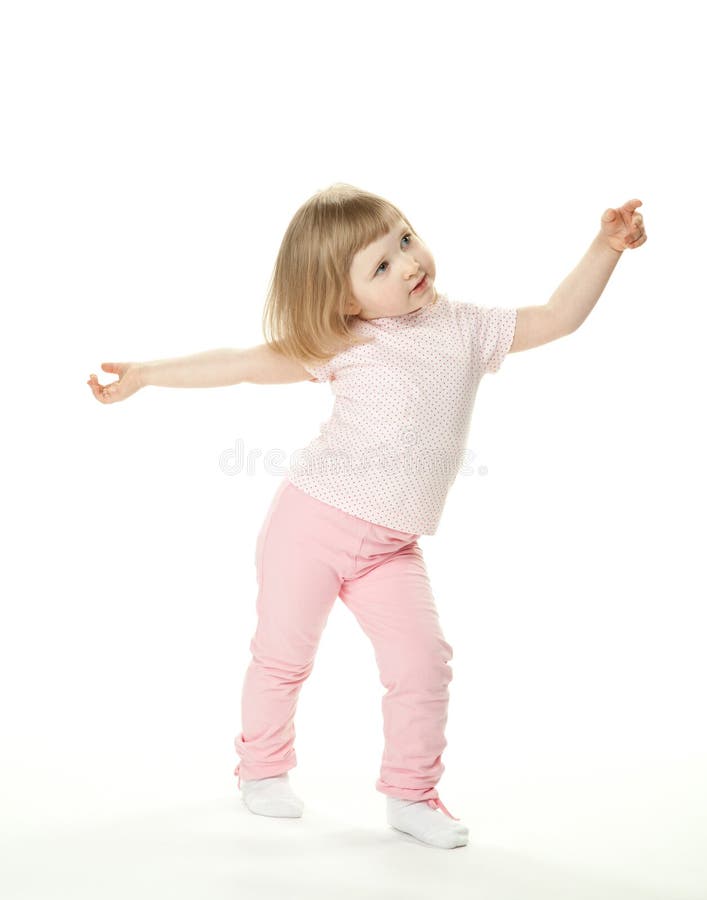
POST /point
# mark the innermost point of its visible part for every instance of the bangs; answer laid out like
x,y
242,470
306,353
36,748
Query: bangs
x,y
367,223
350,219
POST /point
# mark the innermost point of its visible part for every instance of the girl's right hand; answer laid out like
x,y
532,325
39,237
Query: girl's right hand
x,y
128,382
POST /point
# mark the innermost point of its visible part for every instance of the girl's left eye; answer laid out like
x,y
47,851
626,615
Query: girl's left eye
x,y
408,236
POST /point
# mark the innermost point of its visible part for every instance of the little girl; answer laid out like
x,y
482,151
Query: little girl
x,y
353,302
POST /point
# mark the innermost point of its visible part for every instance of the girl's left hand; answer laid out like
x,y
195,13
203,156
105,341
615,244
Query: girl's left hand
x,y
623,227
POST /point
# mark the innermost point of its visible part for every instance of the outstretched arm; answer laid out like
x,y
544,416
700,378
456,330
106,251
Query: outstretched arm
x,y
218,368
575,298
212,368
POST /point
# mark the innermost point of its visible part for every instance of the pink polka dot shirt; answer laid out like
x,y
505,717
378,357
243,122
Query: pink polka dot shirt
x,y
395,440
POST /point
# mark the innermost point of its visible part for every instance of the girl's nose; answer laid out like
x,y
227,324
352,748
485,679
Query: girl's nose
x,y
411,275
412,268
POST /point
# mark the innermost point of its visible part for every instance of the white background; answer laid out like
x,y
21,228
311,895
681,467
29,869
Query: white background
x,y
152,157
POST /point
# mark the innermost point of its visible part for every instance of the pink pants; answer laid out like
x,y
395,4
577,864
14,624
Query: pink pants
x,y
307,554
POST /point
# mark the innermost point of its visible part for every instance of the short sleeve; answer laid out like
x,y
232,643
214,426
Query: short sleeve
x,y
492,332
323,372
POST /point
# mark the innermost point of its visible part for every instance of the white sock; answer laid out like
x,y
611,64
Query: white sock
x,y
431,826
271,797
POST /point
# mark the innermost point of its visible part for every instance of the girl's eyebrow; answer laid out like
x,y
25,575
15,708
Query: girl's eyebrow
x,y
375,268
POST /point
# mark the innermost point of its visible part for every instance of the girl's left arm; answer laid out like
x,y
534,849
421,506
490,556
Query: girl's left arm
x,y
575,298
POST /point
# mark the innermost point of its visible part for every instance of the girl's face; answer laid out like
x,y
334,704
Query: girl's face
x,y
384,273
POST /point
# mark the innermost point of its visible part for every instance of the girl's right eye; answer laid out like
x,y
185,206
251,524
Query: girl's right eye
x,y
408,235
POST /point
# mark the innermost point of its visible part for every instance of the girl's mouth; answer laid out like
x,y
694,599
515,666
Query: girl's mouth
x,y
421,286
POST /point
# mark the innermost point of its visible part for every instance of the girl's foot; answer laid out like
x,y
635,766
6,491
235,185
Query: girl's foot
x,y
271,797
431,826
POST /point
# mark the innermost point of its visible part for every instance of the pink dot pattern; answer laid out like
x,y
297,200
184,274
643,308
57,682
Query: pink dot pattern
x,y
394,443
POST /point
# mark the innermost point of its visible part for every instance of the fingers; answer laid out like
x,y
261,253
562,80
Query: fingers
x,y
624,212
641,239
636,235
104,393
628,221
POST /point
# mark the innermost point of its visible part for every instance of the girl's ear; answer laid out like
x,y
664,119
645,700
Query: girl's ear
x,y
353,308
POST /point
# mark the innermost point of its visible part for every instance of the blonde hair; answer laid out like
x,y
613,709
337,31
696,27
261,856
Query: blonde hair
x,y
304,316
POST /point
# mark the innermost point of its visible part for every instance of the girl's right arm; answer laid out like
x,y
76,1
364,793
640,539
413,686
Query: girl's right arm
x,y
212,368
